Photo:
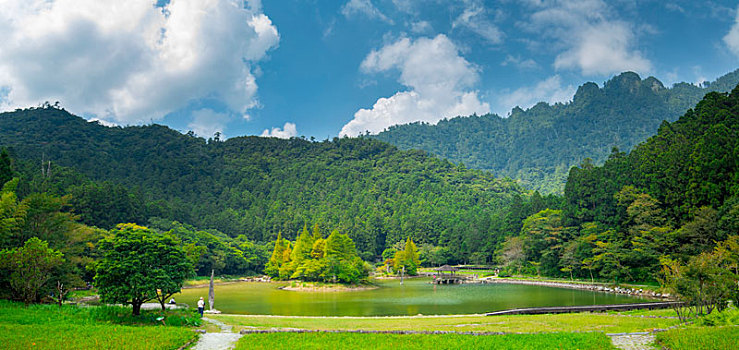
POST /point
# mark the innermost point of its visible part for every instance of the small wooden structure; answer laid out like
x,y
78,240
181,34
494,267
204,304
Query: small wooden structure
x,y
446,275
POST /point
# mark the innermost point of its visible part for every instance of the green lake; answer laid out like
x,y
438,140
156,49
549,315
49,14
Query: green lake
x,y
415,296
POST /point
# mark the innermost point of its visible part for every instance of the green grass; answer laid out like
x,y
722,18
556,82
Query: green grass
x,y
584,322
423,341
71,327
74,336
699,338
17,313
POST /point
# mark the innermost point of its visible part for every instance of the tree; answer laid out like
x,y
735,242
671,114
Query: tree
x,y
6,170
138,265
412,261
276,260
406,259
512,255
30,267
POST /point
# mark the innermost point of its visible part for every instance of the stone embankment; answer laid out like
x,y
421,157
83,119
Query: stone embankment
x,y
583,286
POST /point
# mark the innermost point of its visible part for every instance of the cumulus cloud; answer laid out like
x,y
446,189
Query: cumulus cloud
x,y
206,122
474,19
363,7
593,39
732,38
439,82
287,131
132,61
549,90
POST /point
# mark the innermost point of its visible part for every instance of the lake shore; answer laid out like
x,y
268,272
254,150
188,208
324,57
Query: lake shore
x,y
312,287
597,287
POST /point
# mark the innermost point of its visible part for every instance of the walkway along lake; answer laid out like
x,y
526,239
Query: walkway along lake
x,y
415,296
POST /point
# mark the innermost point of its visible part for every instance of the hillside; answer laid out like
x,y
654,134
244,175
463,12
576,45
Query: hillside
x,y
675,196
539,145
257,186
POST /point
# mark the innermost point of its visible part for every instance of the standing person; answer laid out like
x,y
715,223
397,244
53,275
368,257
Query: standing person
x,y
201,306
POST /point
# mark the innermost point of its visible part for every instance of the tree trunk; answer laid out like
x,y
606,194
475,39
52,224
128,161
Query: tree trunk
x,y
136,307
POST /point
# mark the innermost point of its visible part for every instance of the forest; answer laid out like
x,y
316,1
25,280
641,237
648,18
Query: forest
x,y
252,205
539,145
247,190
673,198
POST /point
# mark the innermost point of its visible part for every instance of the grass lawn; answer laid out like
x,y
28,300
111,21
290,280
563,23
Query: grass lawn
x,y
698,338
418,341
583,322
71,327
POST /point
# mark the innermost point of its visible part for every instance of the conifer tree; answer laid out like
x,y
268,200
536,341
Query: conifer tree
x,y
411,257
275,261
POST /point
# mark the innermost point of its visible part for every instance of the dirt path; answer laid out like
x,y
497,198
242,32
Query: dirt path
x,y
226,339
633,341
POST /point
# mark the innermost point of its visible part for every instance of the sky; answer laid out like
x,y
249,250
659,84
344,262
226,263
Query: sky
x,y
319,68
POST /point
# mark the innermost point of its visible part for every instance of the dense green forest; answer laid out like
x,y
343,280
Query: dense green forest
x,y
539,145
672,198
247,190
243,204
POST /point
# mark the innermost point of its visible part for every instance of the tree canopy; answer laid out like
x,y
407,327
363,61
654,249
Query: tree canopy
x,y
138,265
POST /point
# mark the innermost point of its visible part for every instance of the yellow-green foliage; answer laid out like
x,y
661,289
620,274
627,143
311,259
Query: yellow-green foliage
x,y
313,258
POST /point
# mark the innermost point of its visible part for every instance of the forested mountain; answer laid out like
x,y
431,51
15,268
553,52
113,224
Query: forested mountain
x,y
674,196
258,187
539,145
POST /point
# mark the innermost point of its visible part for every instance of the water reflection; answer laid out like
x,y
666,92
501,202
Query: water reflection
x,y
415,296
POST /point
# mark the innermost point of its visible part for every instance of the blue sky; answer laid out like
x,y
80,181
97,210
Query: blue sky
x,y
328,68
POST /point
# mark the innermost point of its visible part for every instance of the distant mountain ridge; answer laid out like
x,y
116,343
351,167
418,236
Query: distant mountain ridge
x,y
539,145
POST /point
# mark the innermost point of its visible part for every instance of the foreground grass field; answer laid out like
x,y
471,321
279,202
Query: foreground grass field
x,y
700,338
607,323
71,327
417,341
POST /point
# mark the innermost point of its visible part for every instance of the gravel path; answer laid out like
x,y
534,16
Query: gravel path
x,y
633,341
226,339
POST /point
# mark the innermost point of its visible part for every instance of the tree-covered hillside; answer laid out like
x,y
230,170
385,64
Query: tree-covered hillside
x,y
673,197
259,187
539,145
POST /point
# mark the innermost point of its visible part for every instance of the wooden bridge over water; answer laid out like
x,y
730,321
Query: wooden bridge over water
x,y
447,275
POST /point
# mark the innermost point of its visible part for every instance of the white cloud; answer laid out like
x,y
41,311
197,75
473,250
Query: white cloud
x,y
363,7
421,27
519,62
439,82
473,18
732,37
131,61
674,7
287,131
103,122
206,122
549,90
593,39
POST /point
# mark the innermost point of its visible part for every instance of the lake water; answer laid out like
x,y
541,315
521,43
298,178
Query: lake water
x,y
415,296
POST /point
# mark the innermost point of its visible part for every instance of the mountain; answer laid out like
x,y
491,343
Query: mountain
x,y
674,196
539,145
257,186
